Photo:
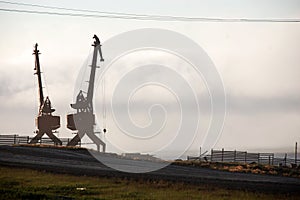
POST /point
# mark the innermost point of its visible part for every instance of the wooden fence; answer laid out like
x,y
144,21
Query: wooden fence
x,y
244,157
241,156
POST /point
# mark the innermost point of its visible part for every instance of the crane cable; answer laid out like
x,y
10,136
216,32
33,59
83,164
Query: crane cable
x,y
84,71
104,105
45,82
35,99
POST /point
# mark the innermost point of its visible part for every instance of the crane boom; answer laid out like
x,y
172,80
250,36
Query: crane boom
x,y
90,93
37,69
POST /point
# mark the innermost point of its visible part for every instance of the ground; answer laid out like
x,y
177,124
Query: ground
x,y
32,172
18,183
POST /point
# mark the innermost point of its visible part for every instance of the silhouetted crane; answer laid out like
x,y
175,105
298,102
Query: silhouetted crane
x,y
84,119
46,123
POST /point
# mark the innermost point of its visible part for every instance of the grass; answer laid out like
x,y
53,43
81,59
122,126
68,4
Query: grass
x,y
253,168
16,183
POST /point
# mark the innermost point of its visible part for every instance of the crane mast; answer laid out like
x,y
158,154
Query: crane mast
x,y
84,120
46,123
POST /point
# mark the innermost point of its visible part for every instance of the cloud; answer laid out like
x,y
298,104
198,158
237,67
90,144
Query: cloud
x,y
12,82
259,64
246,105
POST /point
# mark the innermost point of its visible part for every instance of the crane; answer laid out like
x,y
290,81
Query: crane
x,y
46,123
84,119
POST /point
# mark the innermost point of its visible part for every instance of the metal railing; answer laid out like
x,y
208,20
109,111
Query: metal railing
x,y
14,139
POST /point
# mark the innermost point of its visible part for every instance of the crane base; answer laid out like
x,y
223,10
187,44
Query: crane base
x,y
50,135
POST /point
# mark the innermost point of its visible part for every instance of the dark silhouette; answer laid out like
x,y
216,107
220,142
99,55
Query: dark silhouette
x,y
46,123
84,119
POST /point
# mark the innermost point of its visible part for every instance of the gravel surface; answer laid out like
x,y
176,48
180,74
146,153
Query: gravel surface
x,y
80,162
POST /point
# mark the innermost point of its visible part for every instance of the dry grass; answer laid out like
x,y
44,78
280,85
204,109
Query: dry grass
x,y
18,183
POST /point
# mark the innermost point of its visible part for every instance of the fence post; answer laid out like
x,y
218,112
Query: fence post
x,y
245,156
15,138
234,156
285,159
258,155
211,155
296,153
27,140
200,155
222,159
269,160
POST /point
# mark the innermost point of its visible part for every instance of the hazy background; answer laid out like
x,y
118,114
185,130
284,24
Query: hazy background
x,y
258,62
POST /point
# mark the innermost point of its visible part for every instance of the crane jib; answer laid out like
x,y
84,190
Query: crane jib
x,y
36,52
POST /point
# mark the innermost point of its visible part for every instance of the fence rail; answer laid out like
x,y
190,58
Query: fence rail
x,y
13,139
244,157
16,139
241,156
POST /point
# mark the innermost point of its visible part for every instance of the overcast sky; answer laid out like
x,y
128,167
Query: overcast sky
x,y
259,63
